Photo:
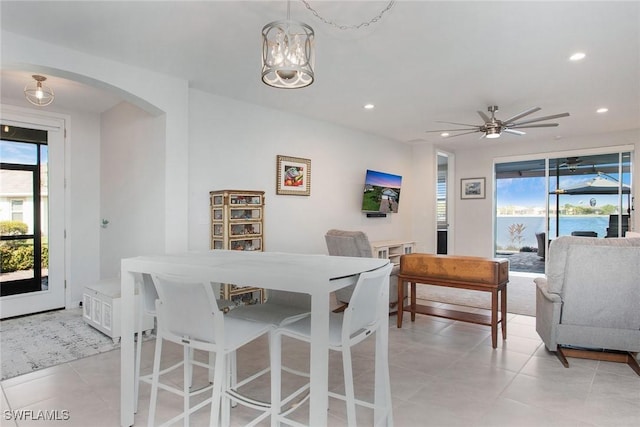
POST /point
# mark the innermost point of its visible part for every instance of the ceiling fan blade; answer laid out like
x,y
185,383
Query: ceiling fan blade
x,y
464,133
515,132
521,115
484,117
540,125
454,123
452,130
539,119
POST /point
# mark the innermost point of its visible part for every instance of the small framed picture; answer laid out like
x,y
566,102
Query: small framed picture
x,y
472,188
293,176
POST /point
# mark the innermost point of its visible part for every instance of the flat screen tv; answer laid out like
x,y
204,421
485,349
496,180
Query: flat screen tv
x,y
381,192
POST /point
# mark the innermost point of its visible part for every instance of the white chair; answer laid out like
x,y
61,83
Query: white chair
x,y
148,297
280,308
188,315
368,304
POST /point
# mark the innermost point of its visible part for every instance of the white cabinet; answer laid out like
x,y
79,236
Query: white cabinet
x,y
101,308
392,249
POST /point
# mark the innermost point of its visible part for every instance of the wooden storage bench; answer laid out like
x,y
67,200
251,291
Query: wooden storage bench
x,y
463,272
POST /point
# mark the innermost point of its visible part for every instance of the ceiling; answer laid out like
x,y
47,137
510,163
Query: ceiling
x,y
422,62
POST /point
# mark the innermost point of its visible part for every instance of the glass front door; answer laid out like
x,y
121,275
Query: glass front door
x,y
31,214
23,195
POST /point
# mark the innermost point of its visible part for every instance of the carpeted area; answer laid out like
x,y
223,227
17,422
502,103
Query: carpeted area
x,y
46,339
521,295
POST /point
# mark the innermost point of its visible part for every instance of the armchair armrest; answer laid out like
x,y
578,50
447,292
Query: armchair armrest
x,y
548,312
543,286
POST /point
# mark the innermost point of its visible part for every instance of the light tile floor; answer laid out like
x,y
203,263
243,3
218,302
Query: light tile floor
x,y
443,373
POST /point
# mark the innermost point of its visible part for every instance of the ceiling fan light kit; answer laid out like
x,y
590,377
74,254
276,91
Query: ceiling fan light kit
x,y
493,128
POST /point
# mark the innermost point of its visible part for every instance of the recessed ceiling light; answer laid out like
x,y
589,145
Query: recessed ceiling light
x,y
369,106
577,56
602,110
444,134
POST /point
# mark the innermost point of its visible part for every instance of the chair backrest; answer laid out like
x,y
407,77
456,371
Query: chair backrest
x,y
542,243
348,243
597,280
148,292
291,299
364,307
188,308
614,220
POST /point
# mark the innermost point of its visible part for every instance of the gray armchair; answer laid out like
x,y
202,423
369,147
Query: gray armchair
x,y
590,299
356,244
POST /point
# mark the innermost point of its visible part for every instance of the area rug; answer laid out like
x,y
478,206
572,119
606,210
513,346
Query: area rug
x,y
521,295
46,339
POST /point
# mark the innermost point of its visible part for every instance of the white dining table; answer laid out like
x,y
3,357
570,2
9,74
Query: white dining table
x,y
316,275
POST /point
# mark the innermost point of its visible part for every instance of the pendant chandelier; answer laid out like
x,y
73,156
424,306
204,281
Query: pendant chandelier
x,y
287,48
287,53
38,93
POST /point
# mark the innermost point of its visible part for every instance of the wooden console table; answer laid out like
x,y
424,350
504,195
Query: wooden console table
x,y
462,272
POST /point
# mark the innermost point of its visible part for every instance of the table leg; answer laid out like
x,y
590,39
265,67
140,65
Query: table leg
x,y
413,301
127,357
503,305
319,364
400,303
382,402
494,318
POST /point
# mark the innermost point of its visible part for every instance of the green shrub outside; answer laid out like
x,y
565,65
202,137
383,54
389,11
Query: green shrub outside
x,y
13,228
16,258
18,255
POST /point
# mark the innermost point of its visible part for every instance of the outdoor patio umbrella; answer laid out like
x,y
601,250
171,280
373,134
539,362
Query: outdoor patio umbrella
x,y
601,184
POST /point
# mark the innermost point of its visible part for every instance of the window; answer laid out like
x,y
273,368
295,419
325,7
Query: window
x,y
17,210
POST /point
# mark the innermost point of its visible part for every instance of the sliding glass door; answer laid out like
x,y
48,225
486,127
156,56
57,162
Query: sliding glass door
x,y
538,200
590,195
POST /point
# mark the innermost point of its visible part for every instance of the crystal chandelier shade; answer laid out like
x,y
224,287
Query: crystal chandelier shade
x,y
287,54
38,93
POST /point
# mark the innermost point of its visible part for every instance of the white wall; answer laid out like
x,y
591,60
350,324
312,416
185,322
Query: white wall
x,y
156,93
83,212
473,217
233,145
132,186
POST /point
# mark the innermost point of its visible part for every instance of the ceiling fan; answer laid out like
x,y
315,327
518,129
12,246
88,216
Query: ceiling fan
x,y
493,128
571,163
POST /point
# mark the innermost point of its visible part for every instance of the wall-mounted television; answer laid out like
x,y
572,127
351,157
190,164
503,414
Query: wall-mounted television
x,y
381,192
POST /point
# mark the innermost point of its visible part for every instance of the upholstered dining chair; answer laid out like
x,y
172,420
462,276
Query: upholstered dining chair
x,y
356,244
188,315
357,322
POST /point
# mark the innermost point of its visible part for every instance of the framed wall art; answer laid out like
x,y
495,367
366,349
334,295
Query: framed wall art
x,y
472,188
293,176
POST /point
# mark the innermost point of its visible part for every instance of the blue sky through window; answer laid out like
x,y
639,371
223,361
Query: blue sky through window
x,y
21,153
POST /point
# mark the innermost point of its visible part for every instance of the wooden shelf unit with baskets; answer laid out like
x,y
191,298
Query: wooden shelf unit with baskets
x,y
237,223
